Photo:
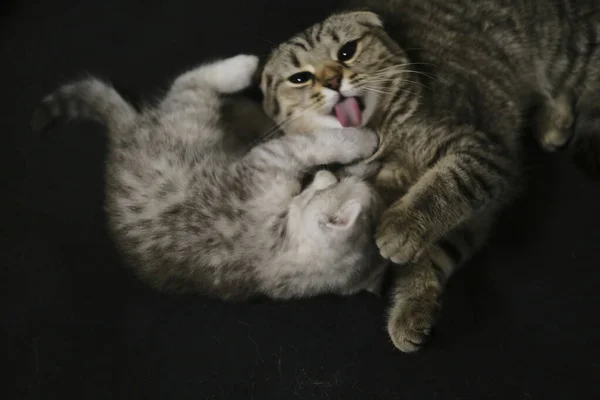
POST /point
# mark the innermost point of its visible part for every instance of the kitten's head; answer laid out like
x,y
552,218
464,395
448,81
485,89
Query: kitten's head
x,y
336,73
332,213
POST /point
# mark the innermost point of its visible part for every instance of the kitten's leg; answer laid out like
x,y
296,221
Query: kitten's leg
x,y
193,103
553,123
360,169
417,289
88,98
473,175
224,76
301,152
245,123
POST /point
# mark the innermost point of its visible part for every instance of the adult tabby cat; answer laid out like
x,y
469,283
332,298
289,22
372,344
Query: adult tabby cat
x,y
191,216
448,86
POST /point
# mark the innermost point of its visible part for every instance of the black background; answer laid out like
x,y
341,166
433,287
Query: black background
x,y
520,322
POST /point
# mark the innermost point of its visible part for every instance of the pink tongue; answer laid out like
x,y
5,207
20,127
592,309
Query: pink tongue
x,y
348,112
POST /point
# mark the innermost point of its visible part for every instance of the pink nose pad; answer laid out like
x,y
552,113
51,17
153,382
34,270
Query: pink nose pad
x,y
334,82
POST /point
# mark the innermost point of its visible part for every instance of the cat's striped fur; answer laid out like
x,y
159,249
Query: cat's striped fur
x,y
450,87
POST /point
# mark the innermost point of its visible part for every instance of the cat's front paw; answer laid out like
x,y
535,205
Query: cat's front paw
x,y
400,237
411,321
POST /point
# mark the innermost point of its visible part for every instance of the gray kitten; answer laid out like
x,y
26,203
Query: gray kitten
x,y
191,216
450,87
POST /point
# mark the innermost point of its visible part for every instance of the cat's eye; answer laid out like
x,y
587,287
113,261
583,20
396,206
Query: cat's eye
x,y
347,51
301,78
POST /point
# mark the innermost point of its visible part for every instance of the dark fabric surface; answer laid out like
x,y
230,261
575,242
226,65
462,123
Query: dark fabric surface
x,y
520,322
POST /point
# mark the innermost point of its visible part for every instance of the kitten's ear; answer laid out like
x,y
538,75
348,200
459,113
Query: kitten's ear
x,y
345,217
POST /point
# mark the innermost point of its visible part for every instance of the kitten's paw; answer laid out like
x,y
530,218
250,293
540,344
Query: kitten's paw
x,y
411,321
234,74
360,169
399,236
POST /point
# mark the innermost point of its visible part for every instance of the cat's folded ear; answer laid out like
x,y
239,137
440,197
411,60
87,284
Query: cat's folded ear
x,y
369,18
363,13
345,217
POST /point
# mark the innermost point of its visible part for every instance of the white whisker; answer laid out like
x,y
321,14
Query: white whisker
x,y
278,127
391,80
406,65
377,90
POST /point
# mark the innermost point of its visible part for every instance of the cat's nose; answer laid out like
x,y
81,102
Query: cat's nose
x,y
330,76
334,82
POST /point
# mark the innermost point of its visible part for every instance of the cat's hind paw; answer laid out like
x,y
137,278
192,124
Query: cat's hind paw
x,y
411,322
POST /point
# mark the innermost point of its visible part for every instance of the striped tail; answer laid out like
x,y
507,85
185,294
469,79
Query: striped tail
x,y
89,98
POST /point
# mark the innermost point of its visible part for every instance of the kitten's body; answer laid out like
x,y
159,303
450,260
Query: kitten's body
x,y
449,87
192,216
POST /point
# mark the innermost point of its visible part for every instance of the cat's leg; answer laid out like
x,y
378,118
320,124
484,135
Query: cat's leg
x,y
575,126
302,152
553,122
584,147
417,289
474,174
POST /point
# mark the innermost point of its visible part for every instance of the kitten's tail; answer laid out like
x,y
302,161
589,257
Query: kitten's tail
x,y
88,98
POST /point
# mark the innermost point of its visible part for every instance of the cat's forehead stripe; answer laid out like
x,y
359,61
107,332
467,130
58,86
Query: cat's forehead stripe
x,y
309,39
317,30
298,43
294,59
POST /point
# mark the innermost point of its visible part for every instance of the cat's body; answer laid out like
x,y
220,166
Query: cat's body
x,y
450,88
191,216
